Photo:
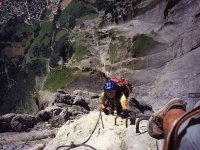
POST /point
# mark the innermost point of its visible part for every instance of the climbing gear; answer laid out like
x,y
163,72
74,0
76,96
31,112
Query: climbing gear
x,y
124,113
109,85
72,145
138,122
124,86
108,111
155,124
173,137
132,118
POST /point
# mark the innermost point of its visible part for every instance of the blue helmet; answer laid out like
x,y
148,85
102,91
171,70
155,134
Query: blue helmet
x,y
109,85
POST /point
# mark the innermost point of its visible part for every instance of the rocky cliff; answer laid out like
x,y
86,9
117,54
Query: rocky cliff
x,y
157,50
155,44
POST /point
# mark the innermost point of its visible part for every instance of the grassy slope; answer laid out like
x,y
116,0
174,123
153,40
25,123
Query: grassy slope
x,y
80,48
41,41
59,77
117,47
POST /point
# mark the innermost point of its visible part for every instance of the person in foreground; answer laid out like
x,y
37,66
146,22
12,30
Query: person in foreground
x,y
113,99
180,129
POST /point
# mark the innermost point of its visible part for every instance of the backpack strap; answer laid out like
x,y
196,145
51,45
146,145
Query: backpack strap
x,y
172,139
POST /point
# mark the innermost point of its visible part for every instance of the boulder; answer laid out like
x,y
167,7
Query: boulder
x,y
59,120
54,110
84,98
139,106
64,98
5,122
77,110
21,123
43,115
80,101
103,137
61,105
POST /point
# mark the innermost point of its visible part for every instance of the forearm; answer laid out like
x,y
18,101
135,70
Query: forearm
x,y
102,106
124,104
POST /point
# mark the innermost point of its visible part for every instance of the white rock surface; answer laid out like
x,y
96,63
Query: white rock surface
x,y
110,138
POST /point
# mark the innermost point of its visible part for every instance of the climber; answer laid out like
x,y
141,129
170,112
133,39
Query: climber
x,y
180,130
112,99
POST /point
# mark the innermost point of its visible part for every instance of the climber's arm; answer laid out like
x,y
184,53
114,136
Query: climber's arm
x,y
102,106
123,102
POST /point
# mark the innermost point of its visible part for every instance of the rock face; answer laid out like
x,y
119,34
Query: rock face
x,y
119,11
85,99
168,66
64,108
110,137
157,49
171,71
34,140
43,126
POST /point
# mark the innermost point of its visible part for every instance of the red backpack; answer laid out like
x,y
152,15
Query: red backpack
x,y
124,85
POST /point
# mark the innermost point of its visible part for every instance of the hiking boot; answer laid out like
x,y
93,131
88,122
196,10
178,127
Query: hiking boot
x,y
155,124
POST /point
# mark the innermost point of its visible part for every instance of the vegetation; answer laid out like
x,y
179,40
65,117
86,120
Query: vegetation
x,y
60,34
60,77
47,14
16,37
41,44
14,30
116,47
80,52
142,44
91,1
87,17
114,33
74,10
79,47
18,97
59,47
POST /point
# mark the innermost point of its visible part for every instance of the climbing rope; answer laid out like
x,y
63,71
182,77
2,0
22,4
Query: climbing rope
x,y
76,145
72,145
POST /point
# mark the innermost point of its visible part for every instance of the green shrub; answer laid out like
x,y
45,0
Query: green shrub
x,y
142,45
87,17
79,53
117,49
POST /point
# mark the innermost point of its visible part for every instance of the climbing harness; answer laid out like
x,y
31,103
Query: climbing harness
x,y
72,145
